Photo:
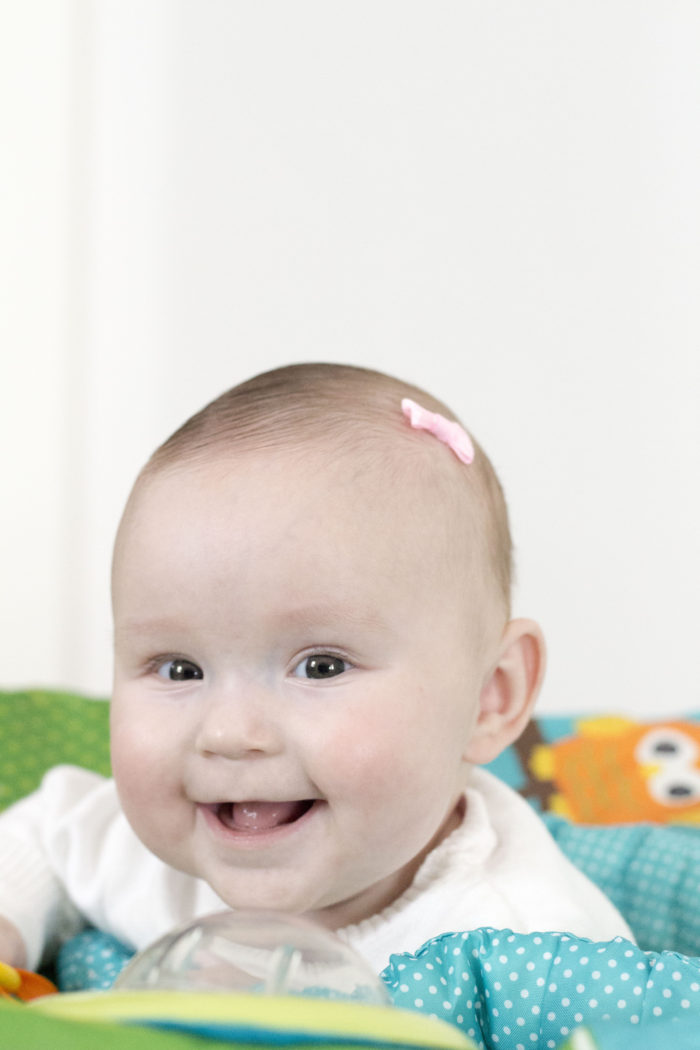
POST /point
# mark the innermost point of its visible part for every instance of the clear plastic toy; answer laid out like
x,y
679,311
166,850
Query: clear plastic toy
x,y
258,977
265,953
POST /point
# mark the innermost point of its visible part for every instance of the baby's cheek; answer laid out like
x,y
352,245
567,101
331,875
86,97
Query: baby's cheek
x,y
132,775
131,756
139,756
403,778
150,804
364,766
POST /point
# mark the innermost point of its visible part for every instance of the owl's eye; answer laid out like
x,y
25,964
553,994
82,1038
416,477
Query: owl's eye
x,y
665,745
680,790
675,786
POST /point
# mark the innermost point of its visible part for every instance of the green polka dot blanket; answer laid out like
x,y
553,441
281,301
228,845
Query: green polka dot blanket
x,y
43,728
509,991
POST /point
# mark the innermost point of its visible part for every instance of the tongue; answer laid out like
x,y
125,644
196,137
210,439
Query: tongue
x,y
260,816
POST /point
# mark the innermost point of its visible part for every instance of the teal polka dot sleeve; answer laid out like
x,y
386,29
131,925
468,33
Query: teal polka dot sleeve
x,y
520,991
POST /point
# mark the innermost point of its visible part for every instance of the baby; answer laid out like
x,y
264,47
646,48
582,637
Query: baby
x,y
313,656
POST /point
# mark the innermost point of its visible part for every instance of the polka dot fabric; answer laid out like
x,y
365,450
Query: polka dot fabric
x,y
507,991
511,991
40,729
650,872
90,960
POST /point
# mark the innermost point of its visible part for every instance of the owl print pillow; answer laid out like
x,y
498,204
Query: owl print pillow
x,y
608,769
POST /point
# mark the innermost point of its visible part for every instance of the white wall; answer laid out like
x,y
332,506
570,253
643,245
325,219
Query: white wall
x,y
39,160
496,200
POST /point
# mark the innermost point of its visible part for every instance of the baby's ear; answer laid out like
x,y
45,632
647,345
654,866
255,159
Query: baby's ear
x,y
509,694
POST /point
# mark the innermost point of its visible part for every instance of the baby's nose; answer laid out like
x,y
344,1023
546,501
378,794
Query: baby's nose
x,y
238,723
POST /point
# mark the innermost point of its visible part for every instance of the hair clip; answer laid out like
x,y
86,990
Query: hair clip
x,y
451,434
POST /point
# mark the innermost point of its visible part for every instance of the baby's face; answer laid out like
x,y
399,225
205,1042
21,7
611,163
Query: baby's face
x,y
296,680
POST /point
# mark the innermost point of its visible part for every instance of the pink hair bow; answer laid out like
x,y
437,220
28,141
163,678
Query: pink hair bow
x,y
451,434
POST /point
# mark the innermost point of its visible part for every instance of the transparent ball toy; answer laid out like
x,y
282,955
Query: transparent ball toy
x,y
264,953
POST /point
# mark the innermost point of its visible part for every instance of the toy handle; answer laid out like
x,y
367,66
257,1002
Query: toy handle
x,y
23,984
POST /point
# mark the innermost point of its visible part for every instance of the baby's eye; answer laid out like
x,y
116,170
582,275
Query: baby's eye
x,y
179,670
320,666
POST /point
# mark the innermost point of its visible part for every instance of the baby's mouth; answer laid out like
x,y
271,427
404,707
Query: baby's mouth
x,y
260,816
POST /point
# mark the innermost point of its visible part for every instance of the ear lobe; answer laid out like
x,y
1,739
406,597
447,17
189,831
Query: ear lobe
x,y
509,694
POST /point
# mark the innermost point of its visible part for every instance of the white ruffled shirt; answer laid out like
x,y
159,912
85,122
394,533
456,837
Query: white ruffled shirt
x,y
70,858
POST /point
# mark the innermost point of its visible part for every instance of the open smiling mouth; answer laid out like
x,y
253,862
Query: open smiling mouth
x,y
252,816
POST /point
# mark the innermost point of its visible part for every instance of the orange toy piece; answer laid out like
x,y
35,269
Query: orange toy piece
x,y
23,984
618,771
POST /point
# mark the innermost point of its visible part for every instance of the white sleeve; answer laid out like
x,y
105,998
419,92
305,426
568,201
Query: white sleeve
x,y
32,894
69,857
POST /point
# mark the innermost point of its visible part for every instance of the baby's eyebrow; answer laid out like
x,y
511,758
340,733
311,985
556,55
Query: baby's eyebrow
x,y
320,614
144,626
316,615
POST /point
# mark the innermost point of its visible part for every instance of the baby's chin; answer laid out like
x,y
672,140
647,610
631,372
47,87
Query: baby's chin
x,y
332,909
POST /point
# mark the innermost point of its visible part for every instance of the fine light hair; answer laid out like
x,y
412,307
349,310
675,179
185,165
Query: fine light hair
x,y
349,408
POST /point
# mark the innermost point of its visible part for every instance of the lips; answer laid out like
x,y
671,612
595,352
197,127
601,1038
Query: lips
x,y
258,816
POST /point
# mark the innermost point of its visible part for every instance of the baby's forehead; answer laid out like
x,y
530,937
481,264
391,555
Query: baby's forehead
x,y
386,469
381,494
364,507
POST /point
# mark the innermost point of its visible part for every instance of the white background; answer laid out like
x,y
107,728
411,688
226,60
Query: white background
x,y
498,200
